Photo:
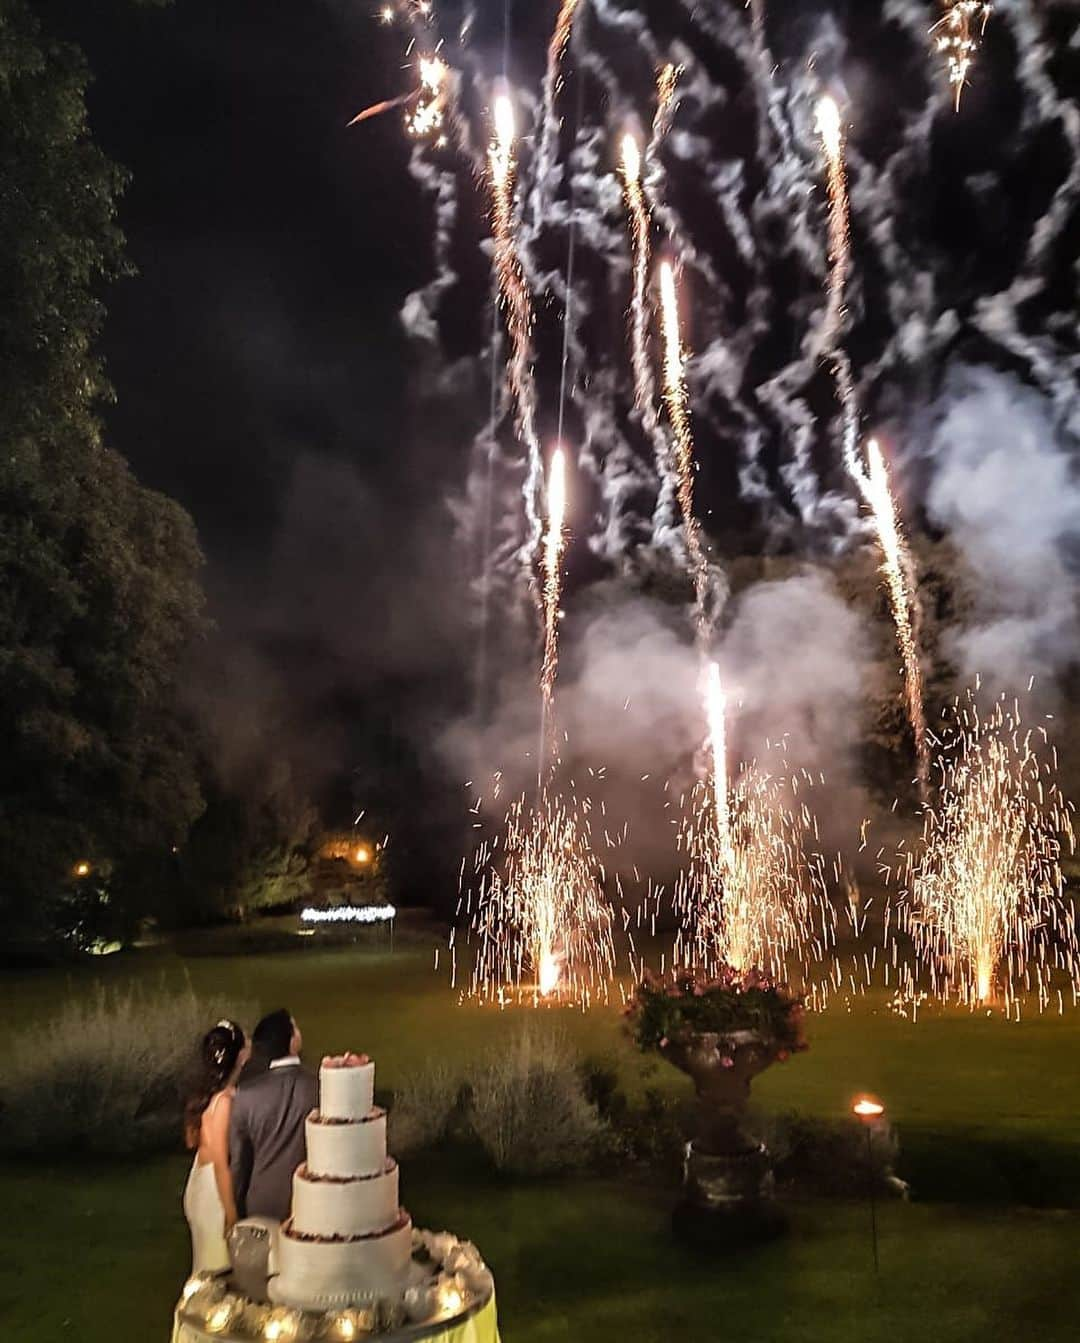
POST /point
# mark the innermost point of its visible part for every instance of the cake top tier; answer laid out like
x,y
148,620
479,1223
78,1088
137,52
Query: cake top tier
x,y
346,1086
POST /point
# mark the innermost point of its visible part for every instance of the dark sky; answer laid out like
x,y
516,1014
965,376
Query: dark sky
x,y
272,257
260,369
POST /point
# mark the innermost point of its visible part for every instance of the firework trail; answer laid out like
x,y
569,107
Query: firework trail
x,y
644,387
519,313
983,895
894,566
957,36
830,129
667,87
554,543
897,564
549,127
678,409
716,714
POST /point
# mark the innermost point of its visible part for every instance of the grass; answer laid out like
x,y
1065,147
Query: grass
x,y
985,1111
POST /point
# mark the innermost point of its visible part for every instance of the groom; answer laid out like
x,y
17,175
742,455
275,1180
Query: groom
x,y
266,1131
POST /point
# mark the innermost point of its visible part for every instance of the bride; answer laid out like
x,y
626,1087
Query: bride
x,y
209,1205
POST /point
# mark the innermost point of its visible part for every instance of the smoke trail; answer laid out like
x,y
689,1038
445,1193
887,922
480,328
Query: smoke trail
x,y
544,166
519,315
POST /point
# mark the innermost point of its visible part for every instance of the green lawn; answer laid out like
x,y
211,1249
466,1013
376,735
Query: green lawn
x,y
986,1112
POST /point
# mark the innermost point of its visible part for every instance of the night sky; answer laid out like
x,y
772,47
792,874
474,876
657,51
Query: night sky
x,y
334,467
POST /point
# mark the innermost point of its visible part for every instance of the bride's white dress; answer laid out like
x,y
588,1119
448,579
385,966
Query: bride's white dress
x,y
206,1216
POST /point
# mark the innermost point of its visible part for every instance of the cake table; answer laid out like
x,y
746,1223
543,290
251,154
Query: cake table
x,y
347,1264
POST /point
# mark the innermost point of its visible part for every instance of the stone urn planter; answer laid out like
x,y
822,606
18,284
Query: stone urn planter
x,y
721,1032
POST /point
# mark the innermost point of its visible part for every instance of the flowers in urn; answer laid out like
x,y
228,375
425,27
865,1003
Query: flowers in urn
x,y
721,1030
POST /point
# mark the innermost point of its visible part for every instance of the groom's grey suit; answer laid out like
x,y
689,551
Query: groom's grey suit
x,y
266,1138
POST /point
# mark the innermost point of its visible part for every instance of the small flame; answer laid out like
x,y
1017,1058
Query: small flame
x,y
503,116
866,1108
829,126
631,157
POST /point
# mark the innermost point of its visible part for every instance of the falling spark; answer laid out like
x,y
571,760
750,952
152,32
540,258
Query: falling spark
x,y
895,567
957,36
983,895
518,304
554,543
679,414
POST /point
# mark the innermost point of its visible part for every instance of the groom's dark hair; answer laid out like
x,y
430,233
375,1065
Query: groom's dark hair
x,y
273,1035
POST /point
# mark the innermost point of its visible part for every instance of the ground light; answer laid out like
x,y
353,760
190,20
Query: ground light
x,y
868,1111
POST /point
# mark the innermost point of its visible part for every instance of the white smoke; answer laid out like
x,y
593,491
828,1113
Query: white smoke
x,y
1006,490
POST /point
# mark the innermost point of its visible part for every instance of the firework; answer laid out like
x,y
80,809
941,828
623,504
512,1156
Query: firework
x,y
983,894
749,895
896,567
679,414
644,388
426,103
517,302
554,543
540,925
957,36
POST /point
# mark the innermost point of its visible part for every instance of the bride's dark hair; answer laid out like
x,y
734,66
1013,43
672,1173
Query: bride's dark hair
x,y
218,1051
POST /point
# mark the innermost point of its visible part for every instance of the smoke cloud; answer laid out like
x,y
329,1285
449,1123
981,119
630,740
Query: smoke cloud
x,y
1005,489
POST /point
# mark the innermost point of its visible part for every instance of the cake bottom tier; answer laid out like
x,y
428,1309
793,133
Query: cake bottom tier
x,y
321,1274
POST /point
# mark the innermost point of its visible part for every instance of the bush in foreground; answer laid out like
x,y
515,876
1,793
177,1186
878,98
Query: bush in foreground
x,y
529,1108
107,1074
526,1104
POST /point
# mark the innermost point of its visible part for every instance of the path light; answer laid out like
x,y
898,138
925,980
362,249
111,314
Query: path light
x,y
868,1111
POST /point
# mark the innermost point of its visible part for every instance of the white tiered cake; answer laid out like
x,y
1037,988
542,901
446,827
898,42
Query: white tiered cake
x,y
347,1241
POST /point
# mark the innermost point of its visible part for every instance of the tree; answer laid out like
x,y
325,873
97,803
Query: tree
x,y
99,578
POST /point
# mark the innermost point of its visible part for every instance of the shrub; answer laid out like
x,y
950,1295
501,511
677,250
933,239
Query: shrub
x,y
830,1158
529,1110
426,1110
107,1074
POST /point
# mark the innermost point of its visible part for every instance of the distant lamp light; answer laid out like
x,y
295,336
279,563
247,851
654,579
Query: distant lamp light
x,y
349,914
361,854
866,1108
82,869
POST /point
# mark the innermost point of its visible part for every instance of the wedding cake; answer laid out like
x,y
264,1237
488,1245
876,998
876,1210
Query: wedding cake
x,y
347,1241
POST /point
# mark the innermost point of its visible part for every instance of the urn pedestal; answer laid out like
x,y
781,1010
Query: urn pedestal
x,y
728,1193
728,1200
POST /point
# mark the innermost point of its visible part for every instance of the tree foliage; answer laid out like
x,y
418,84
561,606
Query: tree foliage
x,y
99,578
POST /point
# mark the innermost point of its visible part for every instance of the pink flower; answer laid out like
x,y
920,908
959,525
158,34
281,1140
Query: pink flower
x,y
727,1061
783,1055
663,1042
